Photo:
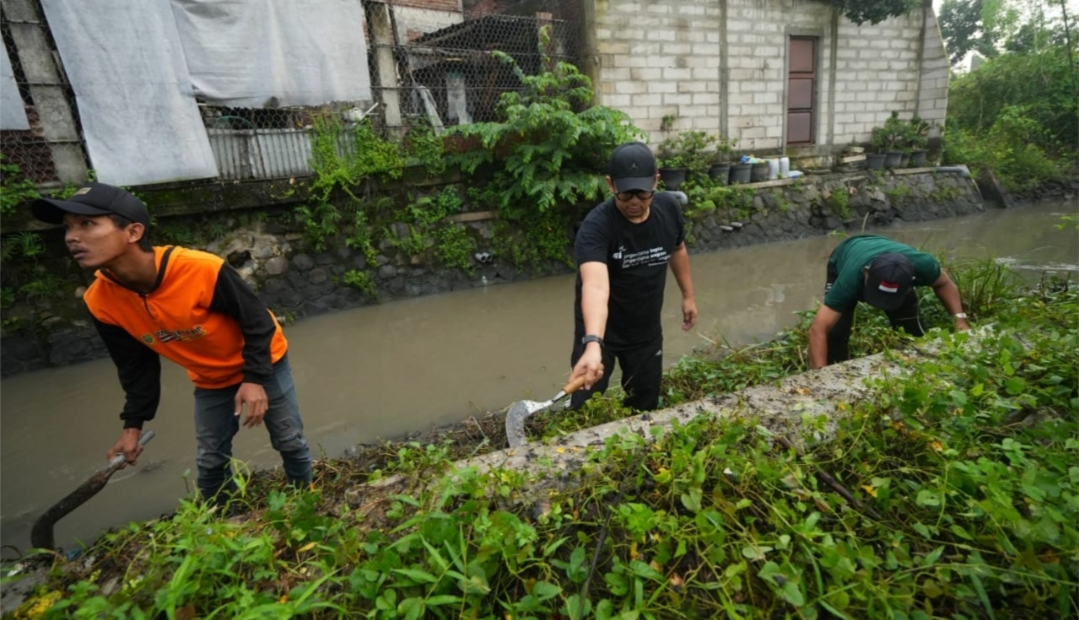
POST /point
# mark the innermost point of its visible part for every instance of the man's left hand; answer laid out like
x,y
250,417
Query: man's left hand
x,y
254,396
689,314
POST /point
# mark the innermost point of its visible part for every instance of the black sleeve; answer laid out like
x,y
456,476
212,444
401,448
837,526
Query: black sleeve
x,y
233,297
593,241
139,368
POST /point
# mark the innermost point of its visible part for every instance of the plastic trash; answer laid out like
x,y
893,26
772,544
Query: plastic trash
x,y
795,174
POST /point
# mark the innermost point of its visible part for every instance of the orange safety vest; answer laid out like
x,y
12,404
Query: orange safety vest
x,y
175,320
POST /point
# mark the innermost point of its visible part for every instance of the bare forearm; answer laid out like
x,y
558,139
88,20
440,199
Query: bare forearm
x,y
680,269
594,308
818,349
948,293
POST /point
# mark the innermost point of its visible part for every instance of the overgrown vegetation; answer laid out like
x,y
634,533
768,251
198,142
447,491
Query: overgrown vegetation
x,y
954,496
1018,113
546,154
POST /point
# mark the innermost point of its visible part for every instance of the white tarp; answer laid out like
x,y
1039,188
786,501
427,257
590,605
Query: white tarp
x,y
12,112
242,53
133,91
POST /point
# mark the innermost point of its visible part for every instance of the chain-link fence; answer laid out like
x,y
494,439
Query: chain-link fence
x,y
47,146
437,68
430,62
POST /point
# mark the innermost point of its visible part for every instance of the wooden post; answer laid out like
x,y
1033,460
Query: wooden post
x,y
589,48
388,80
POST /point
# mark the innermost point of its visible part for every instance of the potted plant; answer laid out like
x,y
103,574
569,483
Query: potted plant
x,y
720,167
683,156
917,140
672,163
888,139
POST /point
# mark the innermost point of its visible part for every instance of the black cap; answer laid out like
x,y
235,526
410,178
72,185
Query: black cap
x,y
93,199
633,166
891,278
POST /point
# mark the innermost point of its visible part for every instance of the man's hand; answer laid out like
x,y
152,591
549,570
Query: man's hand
x,y
689,313
128,445
590,365
961,325
257,403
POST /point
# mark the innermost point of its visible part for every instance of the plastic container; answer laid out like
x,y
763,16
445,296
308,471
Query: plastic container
x,y
773,169
796,174
784,167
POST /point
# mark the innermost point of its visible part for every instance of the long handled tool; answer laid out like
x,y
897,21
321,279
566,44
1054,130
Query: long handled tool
x,y
41,536
520,410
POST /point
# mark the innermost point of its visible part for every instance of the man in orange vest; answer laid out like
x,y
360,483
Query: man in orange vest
x,y
150,302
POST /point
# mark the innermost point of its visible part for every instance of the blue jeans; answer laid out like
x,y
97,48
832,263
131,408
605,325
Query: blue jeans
x,y
215,426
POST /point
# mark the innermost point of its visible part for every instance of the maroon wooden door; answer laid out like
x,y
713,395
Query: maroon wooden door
x,y
801,90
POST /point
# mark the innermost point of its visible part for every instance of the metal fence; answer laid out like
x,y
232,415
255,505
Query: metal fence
x,y
427,65
51,151
439,68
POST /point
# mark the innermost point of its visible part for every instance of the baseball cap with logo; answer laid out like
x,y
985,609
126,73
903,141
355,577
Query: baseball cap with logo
x,y
633,166
93,199
891,278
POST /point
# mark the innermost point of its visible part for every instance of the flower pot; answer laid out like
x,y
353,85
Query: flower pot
x,y
905,160
719,173
672,178
740,173
759,172
875,161
893,159
917,158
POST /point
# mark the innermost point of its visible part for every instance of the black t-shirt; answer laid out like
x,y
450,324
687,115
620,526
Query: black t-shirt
x,y
636,256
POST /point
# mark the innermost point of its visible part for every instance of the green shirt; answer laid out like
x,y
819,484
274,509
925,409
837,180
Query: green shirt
x,y
852,256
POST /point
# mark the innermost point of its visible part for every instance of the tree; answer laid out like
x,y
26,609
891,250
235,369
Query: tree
x,y
872,11
963,30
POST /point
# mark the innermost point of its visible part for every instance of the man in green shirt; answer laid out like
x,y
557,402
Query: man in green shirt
x,y
882,273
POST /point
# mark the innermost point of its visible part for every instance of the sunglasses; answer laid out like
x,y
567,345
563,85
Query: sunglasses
x,y
641,194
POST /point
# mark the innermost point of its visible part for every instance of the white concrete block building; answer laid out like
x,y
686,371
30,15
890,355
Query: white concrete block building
x,y
791,76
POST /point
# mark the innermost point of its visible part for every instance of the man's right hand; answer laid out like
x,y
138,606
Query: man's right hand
x,y
590,365
128,445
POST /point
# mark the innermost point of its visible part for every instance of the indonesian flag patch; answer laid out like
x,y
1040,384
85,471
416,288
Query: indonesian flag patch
x,y
888,287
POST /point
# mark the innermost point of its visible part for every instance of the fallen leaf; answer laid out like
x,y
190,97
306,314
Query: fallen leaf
x,y
676,581
868,488
936,445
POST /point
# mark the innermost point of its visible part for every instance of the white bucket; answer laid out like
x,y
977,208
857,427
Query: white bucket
x,y
773,169
784,167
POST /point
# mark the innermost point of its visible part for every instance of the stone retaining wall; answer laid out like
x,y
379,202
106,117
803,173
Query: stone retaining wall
x,y
297,284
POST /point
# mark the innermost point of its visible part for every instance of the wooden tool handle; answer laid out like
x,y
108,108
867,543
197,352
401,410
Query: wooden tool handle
x,y
574,385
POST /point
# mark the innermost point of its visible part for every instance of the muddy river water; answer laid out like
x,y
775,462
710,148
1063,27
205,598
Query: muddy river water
x,y
387,370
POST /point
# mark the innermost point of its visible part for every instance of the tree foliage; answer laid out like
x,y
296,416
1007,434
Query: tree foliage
x,y
963,30
872,11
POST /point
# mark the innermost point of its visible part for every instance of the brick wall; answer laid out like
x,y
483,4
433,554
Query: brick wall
x,y
757,46
662,57
933,95
876,74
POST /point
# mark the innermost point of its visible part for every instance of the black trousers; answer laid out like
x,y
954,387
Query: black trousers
x,y
642,369
905,316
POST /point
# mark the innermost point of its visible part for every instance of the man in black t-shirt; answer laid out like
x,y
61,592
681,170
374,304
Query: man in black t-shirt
x,y
622,250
